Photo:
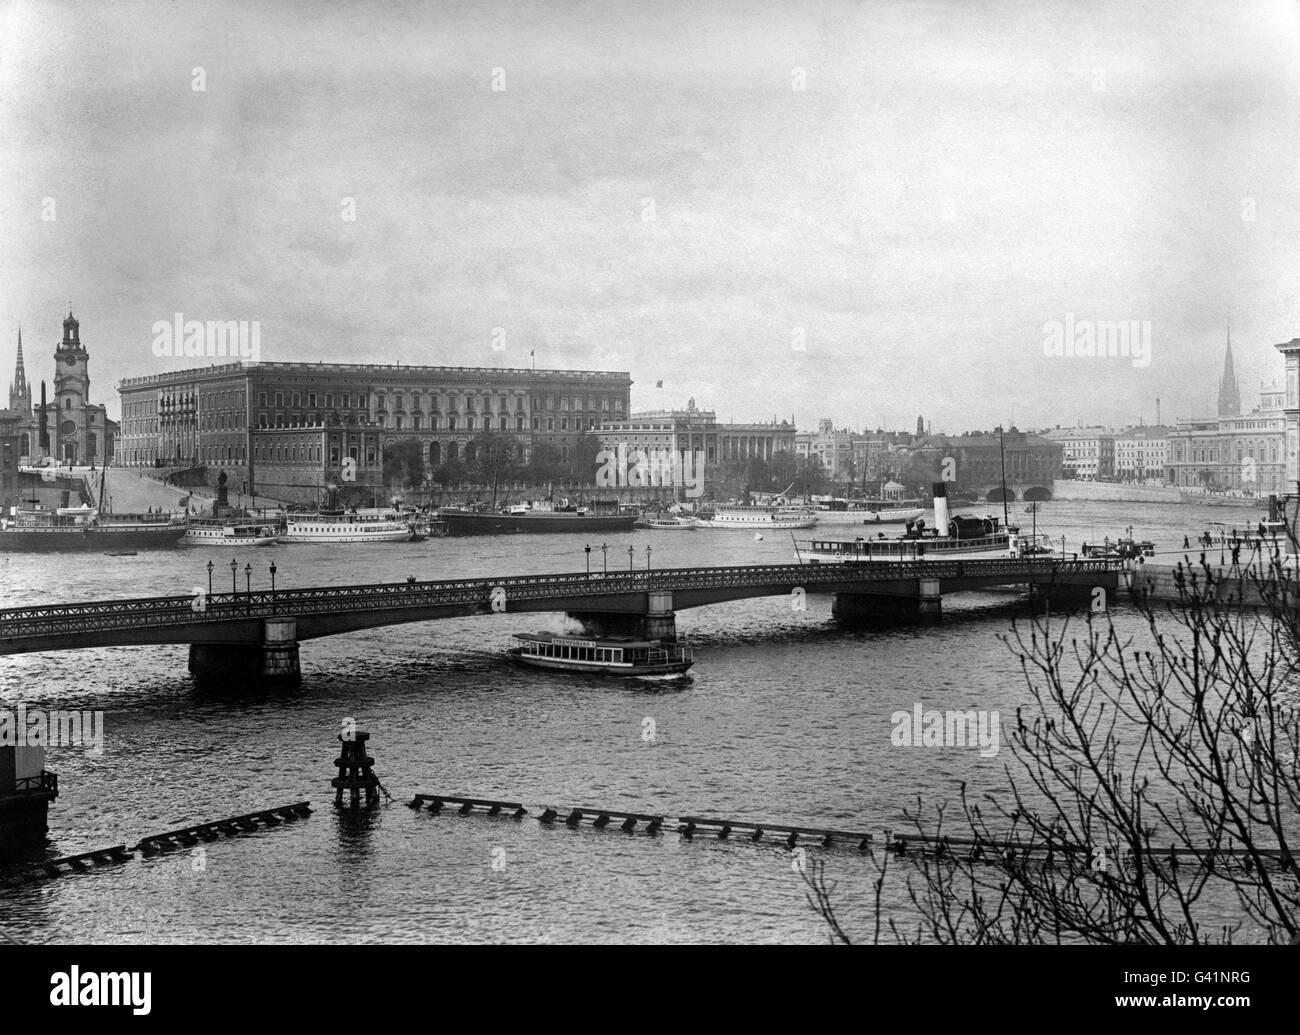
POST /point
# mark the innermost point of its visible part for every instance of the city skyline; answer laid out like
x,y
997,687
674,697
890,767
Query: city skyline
x,y
689,197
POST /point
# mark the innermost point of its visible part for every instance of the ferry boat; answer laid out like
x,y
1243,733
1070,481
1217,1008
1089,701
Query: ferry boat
x,y
963,537
600,516
86,528
774,516
890,507
608,657
672,524
356,525
221,532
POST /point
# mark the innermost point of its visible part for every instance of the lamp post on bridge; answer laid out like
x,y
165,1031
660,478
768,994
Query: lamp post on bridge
x,y
587,548
248,578
630,552
234,568
647,556
209,578
273,587
604,553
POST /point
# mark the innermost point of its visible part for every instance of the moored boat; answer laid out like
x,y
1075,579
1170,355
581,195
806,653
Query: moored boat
x,y
672,524
39,529
960,536
537,518
773,516
222,532
615,656
356,525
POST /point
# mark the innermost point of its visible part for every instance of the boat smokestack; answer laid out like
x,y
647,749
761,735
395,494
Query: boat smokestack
x,y
941,507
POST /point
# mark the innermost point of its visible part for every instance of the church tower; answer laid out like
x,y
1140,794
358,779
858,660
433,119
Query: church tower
x,y
20,389
68,419
1229,399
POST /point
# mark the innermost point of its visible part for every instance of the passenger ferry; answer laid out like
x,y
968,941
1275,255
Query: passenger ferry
x,y
220,532
357,525
964,537
672,524
774,516
86,528
607,657
890,507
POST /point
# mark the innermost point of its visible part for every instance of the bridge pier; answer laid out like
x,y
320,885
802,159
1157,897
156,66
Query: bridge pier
x,y
658,623
924,604
273,661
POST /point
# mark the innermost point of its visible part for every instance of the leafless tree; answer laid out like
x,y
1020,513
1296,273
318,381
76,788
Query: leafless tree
x,y
1152,795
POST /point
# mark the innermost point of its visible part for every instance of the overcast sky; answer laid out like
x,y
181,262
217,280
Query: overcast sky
x,y
953,176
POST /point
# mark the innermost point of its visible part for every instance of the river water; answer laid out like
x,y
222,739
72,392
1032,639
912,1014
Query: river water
x,y
784,718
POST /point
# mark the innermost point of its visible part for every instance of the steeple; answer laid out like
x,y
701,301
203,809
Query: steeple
x,y
1229,399
71,333
20,389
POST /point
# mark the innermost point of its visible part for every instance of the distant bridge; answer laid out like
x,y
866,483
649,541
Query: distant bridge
x,y
259,631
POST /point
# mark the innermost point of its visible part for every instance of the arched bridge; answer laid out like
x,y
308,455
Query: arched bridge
x,y
270,624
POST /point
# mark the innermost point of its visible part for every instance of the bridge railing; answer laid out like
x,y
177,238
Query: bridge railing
x,y
204,608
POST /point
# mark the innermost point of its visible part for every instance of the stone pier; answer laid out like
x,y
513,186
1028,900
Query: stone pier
x,y
273,661
658,623
924,602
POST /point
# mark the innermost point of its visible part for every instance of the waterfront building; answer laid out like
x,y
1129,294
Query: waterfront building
x,y
1088,453
1243,452
285,429
1291,411
80,431
1032,463
1141,452
699,431
833,446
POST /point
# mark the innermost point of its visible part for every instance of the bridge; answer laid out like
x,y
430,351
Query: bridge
x,y
257,633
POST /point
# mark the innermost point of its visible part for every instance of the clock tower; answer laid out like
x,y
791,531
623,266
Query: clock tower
x,y
69,425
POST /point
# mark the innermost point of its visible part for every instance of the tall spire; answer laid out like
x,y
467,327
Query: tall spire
x,y
20,389
1229,399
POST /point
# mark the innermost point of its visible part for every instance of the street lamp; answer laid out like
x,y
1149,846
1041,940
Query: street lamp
x,y
234,567
587,549
248,578
604,553
647,557
209,578
273,587
629,556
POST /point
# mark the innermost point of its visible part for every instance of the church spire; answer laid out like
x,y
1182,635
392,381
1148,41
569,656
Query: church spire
x,y
1229,399
20,389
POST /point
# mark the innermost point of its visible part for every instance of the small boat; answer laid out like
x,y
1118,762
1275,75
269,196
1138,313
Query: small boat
x,y
608,657
219,532
121,553
672,524
758,537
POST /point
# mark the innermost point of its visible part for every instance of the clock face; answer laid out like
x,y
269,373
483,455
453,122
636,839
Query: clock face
x,y
68,427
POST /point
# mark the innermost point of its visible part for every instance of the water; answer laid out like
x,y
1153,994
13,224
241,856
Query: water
x,y
784,718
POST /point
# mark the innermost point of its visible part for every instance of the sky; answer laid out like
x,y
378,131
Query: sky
x,y
861,211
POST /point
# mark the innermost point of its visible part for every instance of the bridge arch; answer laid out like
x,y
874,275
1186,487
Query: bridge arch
x,y
997,494
1037,494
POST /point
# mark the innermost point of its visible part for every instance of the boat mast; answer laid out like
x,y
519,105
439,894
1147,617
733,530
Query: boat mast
x,y
1006,517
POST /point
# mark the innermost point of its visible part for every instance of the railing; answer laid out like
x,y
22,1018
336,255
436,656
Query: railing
x,y
45,781
202,609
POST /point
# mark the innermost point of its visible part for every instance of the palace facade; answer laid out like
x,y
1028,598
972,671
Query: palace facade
x,y
286,429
